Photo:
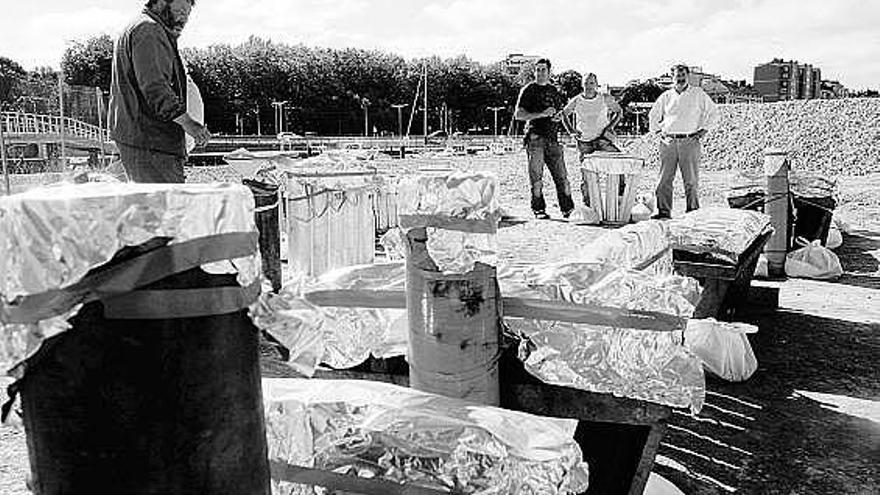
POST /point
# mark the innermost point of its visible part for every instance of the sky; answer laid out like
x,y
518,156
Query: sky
x,y
620,40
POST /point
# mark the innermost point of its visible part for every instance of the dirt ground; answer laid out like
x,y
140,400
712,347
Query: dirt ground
x,y
807,422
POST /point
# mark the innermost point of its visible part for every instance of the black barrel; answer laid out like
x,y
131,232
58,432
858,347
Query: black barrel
x,y
149,406
813,218
267,219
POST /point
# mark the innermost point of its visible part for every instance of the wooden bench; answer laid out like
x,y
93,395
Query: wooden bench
x,y
725,286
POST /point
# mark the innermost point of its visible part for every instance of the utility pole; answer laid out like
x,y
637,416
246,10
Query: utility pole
x,y
496,110
425,117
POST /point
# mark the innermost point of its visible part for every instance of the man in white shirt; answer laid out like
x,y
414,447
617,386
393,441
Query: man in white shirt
x,y
682,115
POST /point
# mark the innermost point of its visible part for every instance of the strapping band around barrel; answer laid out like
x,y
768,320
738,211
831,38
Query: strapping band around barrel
x,y
126,276
180,303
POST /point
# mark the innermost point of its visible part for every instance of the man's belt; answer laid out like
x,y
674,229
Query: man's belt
x,y
683,136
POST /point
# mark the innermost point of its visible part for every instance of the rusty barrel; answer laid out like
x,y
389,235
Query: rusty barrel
x,y
155,391
454,328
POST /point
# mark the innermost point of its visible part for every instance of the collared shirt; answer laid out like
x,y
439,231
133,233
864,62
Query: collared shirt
x,y
683,113
148,87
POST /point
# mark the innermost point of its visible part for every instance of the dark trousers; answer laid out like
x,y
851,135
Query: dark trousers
x,y
601,143
544,151
144,165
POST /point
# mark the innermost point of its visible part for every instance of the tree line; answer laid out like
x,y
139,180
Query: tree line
x,y
327,91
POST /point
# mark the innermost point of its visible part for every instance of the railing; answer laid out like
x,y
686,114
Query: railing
x,y
17,124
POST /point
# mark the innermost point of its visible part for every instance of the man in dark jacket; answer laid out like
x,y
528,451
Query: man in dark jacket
x,y
540,105
148,116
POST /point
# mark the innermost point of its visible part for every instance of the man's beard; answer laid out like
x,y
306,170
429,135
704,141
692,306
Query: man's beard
x,y
168,18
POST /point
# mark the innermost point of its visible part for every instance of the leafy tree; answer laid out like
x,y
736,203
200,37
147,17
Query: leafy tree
x,y
11,76
643,92
570,82
89,63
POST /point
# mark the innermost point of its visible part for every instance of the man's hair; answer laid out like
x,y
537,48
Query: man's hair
x,y
587,76
151,3
545,61
684,67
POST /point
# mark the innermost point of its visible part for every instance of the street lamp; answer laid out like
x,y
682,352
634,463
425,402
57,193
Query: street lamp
x,y
279,115
399,107
365,103
496,110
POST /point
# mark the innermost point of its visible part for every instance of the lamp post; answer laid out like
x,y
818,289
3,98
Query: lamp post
x,y
279,115
365,103
399,107
495,110
3,157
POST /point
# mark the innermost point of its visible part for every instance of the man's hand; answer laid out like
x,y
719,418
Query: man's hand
x,y
198,131
550,112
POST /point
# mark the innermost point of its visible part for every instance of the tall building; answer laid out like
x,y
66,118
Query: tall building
x,y
515,62
780,80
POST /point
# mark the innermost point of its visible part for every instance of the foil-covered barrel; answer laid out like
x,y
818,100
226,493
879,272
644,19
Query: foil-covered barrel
x,y
123,308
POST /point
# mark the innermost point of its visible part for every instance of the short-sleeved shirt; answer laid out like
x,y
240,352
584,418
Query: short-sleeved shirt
x,y
592,114
537,98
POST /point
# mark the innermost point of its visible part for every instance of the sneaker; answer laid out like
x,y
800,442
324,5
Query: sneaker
x,y
661,216
566,214
542,215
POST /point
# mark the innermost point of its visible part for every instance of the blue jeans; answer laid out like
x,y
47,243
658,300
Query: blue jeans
x,y
545,151
684,154
144,165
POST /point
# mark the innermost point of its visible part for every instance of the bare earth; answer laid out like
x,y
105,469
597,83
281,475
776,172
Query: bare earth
x,y
807,422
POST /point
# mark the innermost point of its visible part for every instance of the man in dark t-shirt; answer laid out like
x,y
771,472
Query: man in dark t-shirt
x,y
540,104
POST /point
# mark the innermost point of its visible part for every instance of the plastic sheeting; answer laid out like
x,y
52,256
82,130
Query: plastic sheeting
x,y
449,200
374,429
51,237
642,245
723,233
641,364
340,337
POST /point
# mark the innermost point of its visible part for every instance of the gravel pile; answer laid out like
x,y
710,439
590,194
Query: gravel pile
x,y
825,137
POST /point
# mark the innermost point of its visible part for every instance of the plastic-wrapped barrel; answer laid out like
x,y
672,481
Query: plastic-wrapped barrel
x,y
148,401
329,227
266,216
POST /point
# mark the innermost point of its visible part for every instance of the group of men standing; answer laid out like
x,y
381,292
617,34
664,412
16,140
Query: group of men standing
x,y
681,115
149,120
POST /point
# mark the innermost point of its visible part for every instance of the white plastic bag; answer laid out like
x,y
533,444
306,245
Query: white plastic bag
x,y
813,261
835,238
723,347
640,212
762,269
585,214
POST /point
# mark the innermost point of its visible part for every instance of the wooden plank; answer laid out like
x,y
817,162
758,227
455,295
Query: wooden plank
x,y
350,484
698,270
564,402
646,463
539,309
612,197
516,307
629,197
592,179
